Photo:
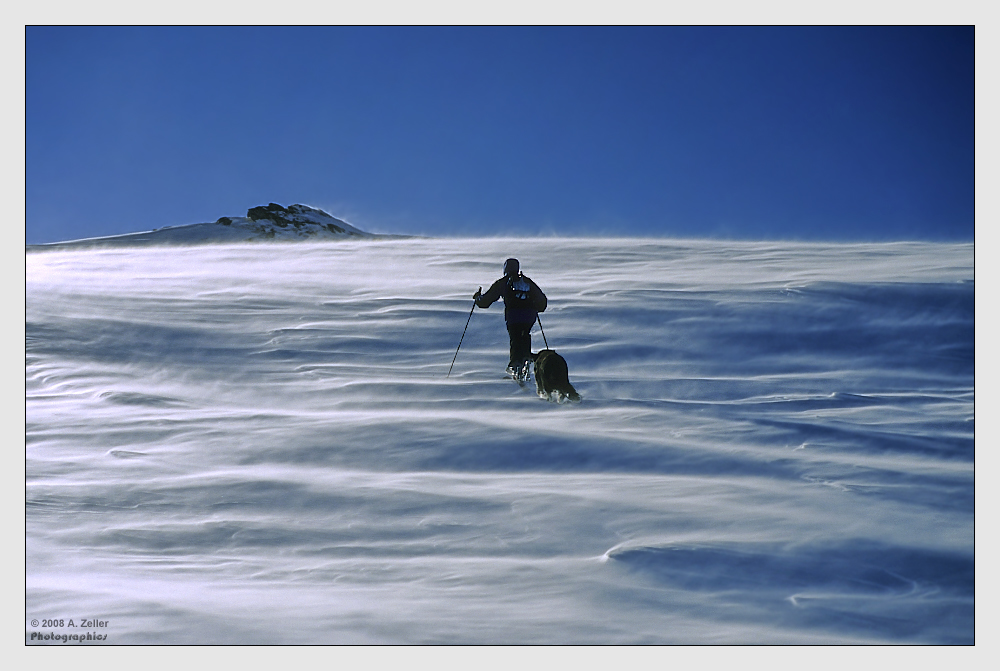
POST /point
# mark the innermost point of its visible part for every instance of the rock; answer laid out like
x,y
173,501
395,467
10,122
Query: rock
x,y
304,220
272,211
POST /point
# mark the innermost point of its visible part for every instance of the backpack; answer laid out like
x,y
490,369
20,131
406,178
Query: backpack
x,y
520,290
523,294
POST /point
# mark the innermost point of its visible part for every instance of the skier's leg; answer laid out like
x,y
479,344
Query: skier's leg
x,y
520,347
512,331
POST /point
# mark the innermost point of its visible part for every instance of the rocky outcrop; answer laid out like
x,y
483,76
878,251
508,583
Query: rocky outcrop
x,y
273,212
298,216
298,221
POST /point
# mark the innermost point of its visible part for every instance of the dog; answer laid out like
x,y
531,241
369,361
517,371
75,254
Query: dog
x,y
552,377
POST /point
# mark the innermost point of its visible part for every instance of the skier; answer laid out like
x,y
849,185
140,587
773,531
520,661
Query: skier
x,y
522,300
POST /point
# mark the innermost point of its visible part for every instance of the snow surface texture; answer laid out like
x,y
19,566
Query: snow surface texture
x,y
258,444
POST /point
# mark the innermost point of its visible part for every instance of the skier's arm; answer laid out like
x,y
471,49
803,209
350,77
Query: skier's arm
x,y
491,295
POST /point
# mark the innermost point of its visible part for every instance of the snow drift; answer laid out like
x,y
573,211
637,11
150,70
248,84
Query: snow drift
x,y
258,444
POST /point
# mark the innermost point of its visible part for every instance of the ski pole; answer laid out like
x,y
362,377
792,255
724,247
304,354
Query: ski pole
x,y
462,338
543,332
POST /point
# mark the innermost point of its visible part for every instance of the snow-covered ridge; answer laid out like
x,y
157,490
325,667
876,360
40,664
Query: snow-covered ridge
x,y
262,223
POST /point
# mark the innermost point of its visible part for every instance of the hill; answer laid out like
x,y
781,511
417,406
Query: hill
x,y
262,223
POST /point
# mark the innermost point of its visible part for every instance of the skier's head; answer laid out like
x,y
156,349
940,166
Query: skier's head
x,y
511,268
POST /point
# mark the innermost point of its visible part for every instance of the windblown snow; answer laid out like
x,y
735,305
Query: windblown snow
x,y
242,443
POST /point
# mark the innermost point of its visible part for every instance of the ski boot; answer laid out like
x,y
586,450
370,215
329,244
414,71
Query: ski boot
x,y
520,372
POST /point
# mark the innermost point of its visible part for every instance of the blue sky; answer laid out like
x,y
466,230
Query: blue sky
x,y
790,133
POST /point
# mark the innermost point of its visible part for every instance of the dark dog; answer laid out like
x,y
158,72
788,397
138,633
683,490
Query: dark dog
x,y
552,377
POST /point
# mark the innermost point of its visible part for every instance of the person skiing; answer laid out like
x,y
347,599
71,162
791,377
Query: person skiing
x,y
522,300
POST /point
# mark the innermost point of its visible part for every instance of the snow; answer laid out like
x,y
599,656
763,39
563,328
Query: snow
x,y
295,223
258,443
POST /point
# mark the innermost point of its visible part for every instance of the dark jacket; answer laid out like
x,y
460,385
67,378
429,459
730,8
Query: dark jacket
x,y
522,299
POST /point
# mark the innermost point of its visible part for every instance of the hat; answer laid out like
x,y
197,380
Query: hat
x,y
511,267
